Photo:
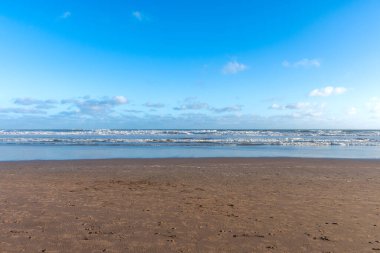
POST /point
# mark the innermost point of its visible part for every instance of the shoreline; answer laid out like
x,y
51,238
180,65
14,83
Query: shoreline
x,y
192,158
190,205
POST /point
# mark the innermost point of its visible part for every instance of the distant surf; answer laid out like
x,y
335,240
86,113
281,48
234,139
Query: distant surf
x,y
113,143
319,137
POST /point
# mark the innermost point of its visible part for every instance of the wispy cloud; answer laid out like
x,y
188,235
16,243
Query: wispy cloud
x,y
303,63
133,111
301,109
78,106
153,105
109,112
88,111
17,110
298,106
138,15
90,106
193,104
276,107
235,108
233,67
37,103
293,106
327,91
308,114
65,15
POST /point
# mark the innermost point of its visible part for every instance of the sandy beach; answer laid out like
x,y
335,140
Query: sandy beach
x,y
190,205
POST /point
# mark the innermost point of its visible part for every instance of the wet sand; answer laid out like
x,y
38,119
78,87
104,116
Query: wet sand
x,y
190,205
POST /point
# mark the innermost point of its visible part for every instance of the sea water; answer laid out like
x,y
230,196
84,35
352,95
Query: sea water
x,y
109,143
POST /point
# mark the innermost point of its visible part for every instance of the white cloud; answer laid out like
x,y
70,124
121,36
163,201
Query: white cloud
x,y
233,67
138,15
327,91
119,100
65,15
303,63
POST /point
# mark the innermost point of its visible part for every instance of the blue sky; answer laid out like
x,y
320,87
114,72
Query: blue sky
x,y
190,64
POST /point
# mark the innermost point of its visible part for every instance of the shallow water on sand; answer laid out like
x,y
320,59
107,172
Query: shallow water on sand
x,y
63,152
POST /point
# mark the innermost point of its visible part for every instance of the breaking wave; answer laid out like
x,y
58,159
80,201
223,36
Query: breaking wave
x,y
318,137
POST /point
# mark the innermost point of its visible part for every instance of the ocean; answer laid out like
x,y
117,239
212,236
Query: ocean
x,y
113,143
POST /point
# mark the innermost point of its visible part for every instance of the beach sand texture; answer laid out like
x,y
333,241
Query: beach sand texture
x,y
190,205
